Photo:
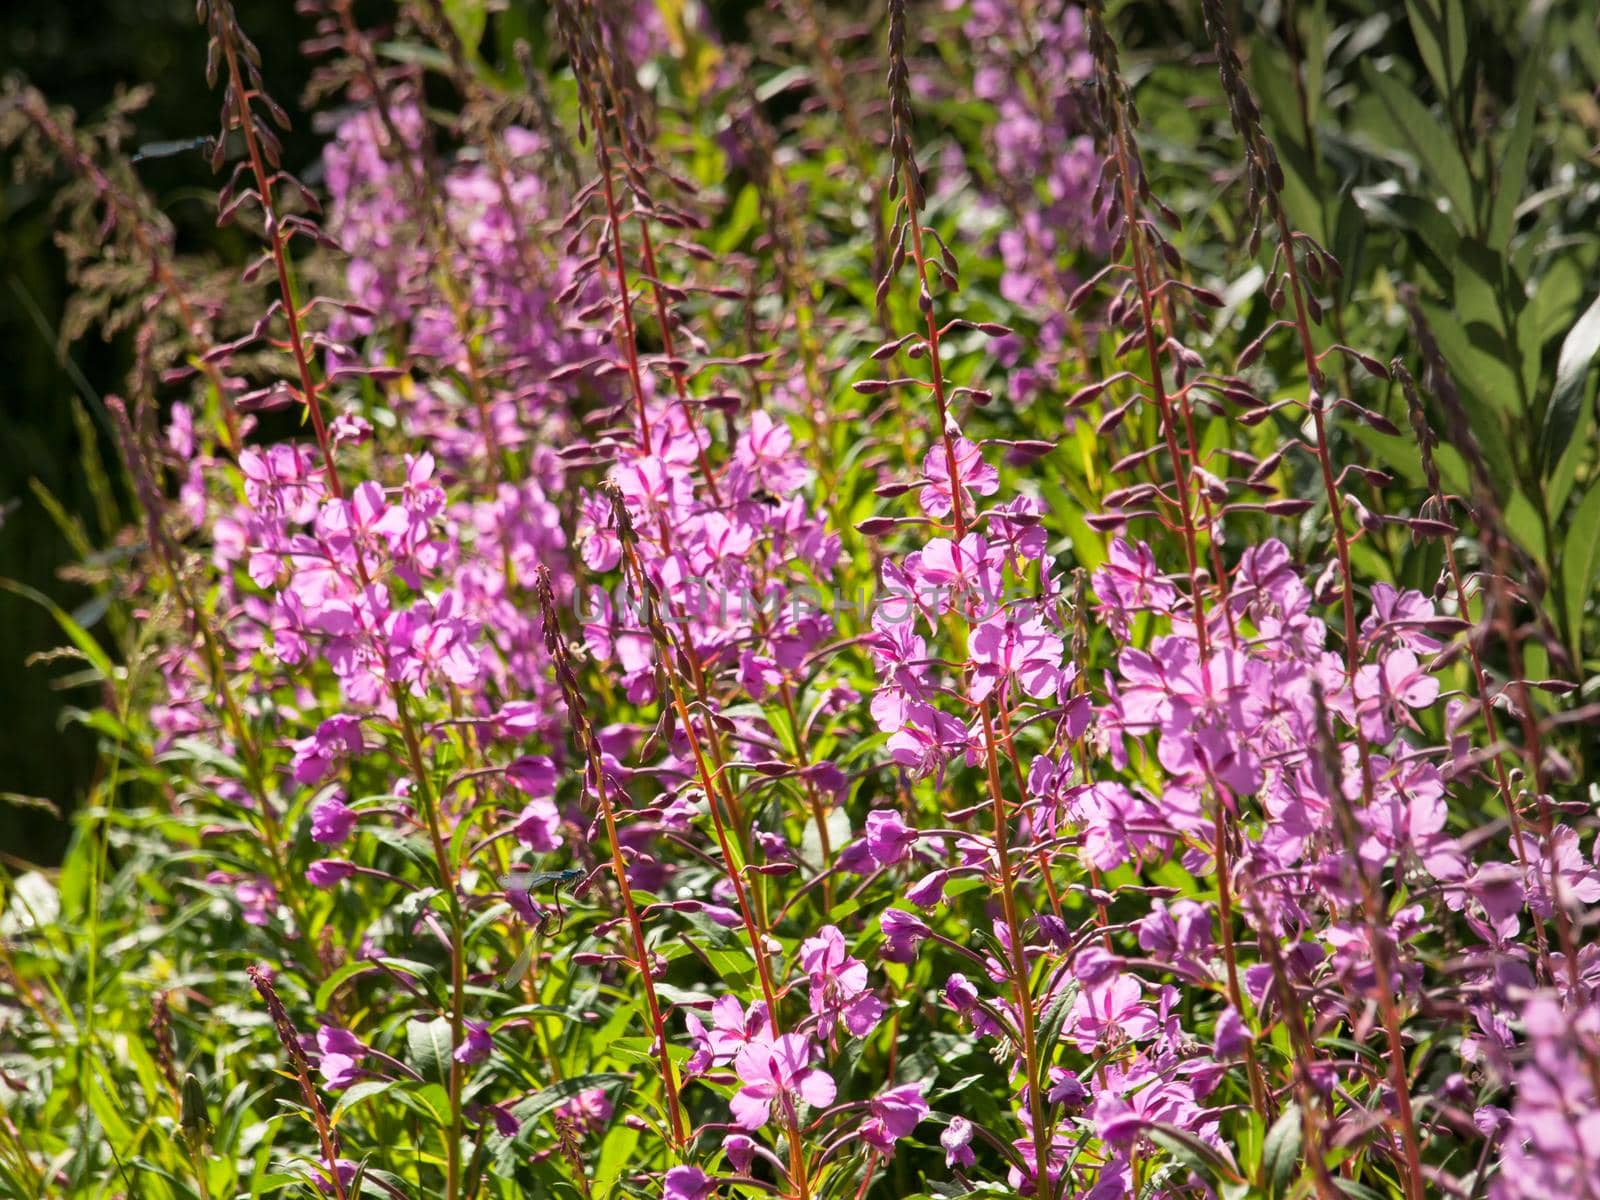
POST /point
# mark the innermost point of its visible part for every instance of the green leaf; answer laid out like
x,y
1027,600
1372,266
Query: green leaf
x,y
1522,519
80,637
468,18
1358,1190
1572,369
430,1043
1055,1017
1426,136
1199,1156
359,1092
1580,556
839,835
782,81
731,966
1513,170
420,971
1486,387
959,1085
1414,215
616,1155
519,968
189,749
1280,1153
413,53
431,1102
1558,486
635,1049
1584,39
1314,38
1275,90
531,1109
1455,46
1441,40
746,213
21,800
1353,1048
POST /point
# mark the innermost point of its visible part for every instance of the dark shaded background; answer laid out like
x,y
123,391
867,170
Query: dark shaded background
x,y
77,52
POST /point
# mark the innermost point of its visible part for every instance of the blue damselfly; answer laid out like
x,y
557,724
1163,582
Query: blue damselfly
x,y
531,881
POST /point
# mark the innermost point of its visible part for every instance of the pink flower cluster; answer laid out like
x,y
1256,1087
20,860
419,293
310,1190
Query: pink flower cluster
x,y
1144,824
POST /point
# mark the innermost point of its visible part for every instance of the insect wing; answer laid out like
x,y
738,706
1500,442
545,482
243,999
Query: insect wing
x,y
527,881
168,149
520,968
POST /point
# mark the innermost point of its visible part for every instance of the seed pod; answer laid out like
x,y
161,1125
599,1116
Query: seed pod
x,y
193,1116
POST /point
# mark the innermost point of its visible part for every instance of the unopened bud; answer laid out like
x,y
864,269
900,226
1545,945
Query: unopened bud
x,y
193,1117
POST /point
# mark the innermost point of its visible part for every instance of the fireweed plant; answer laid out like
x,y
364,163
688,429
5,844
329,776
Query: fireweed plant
x,y
915,603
